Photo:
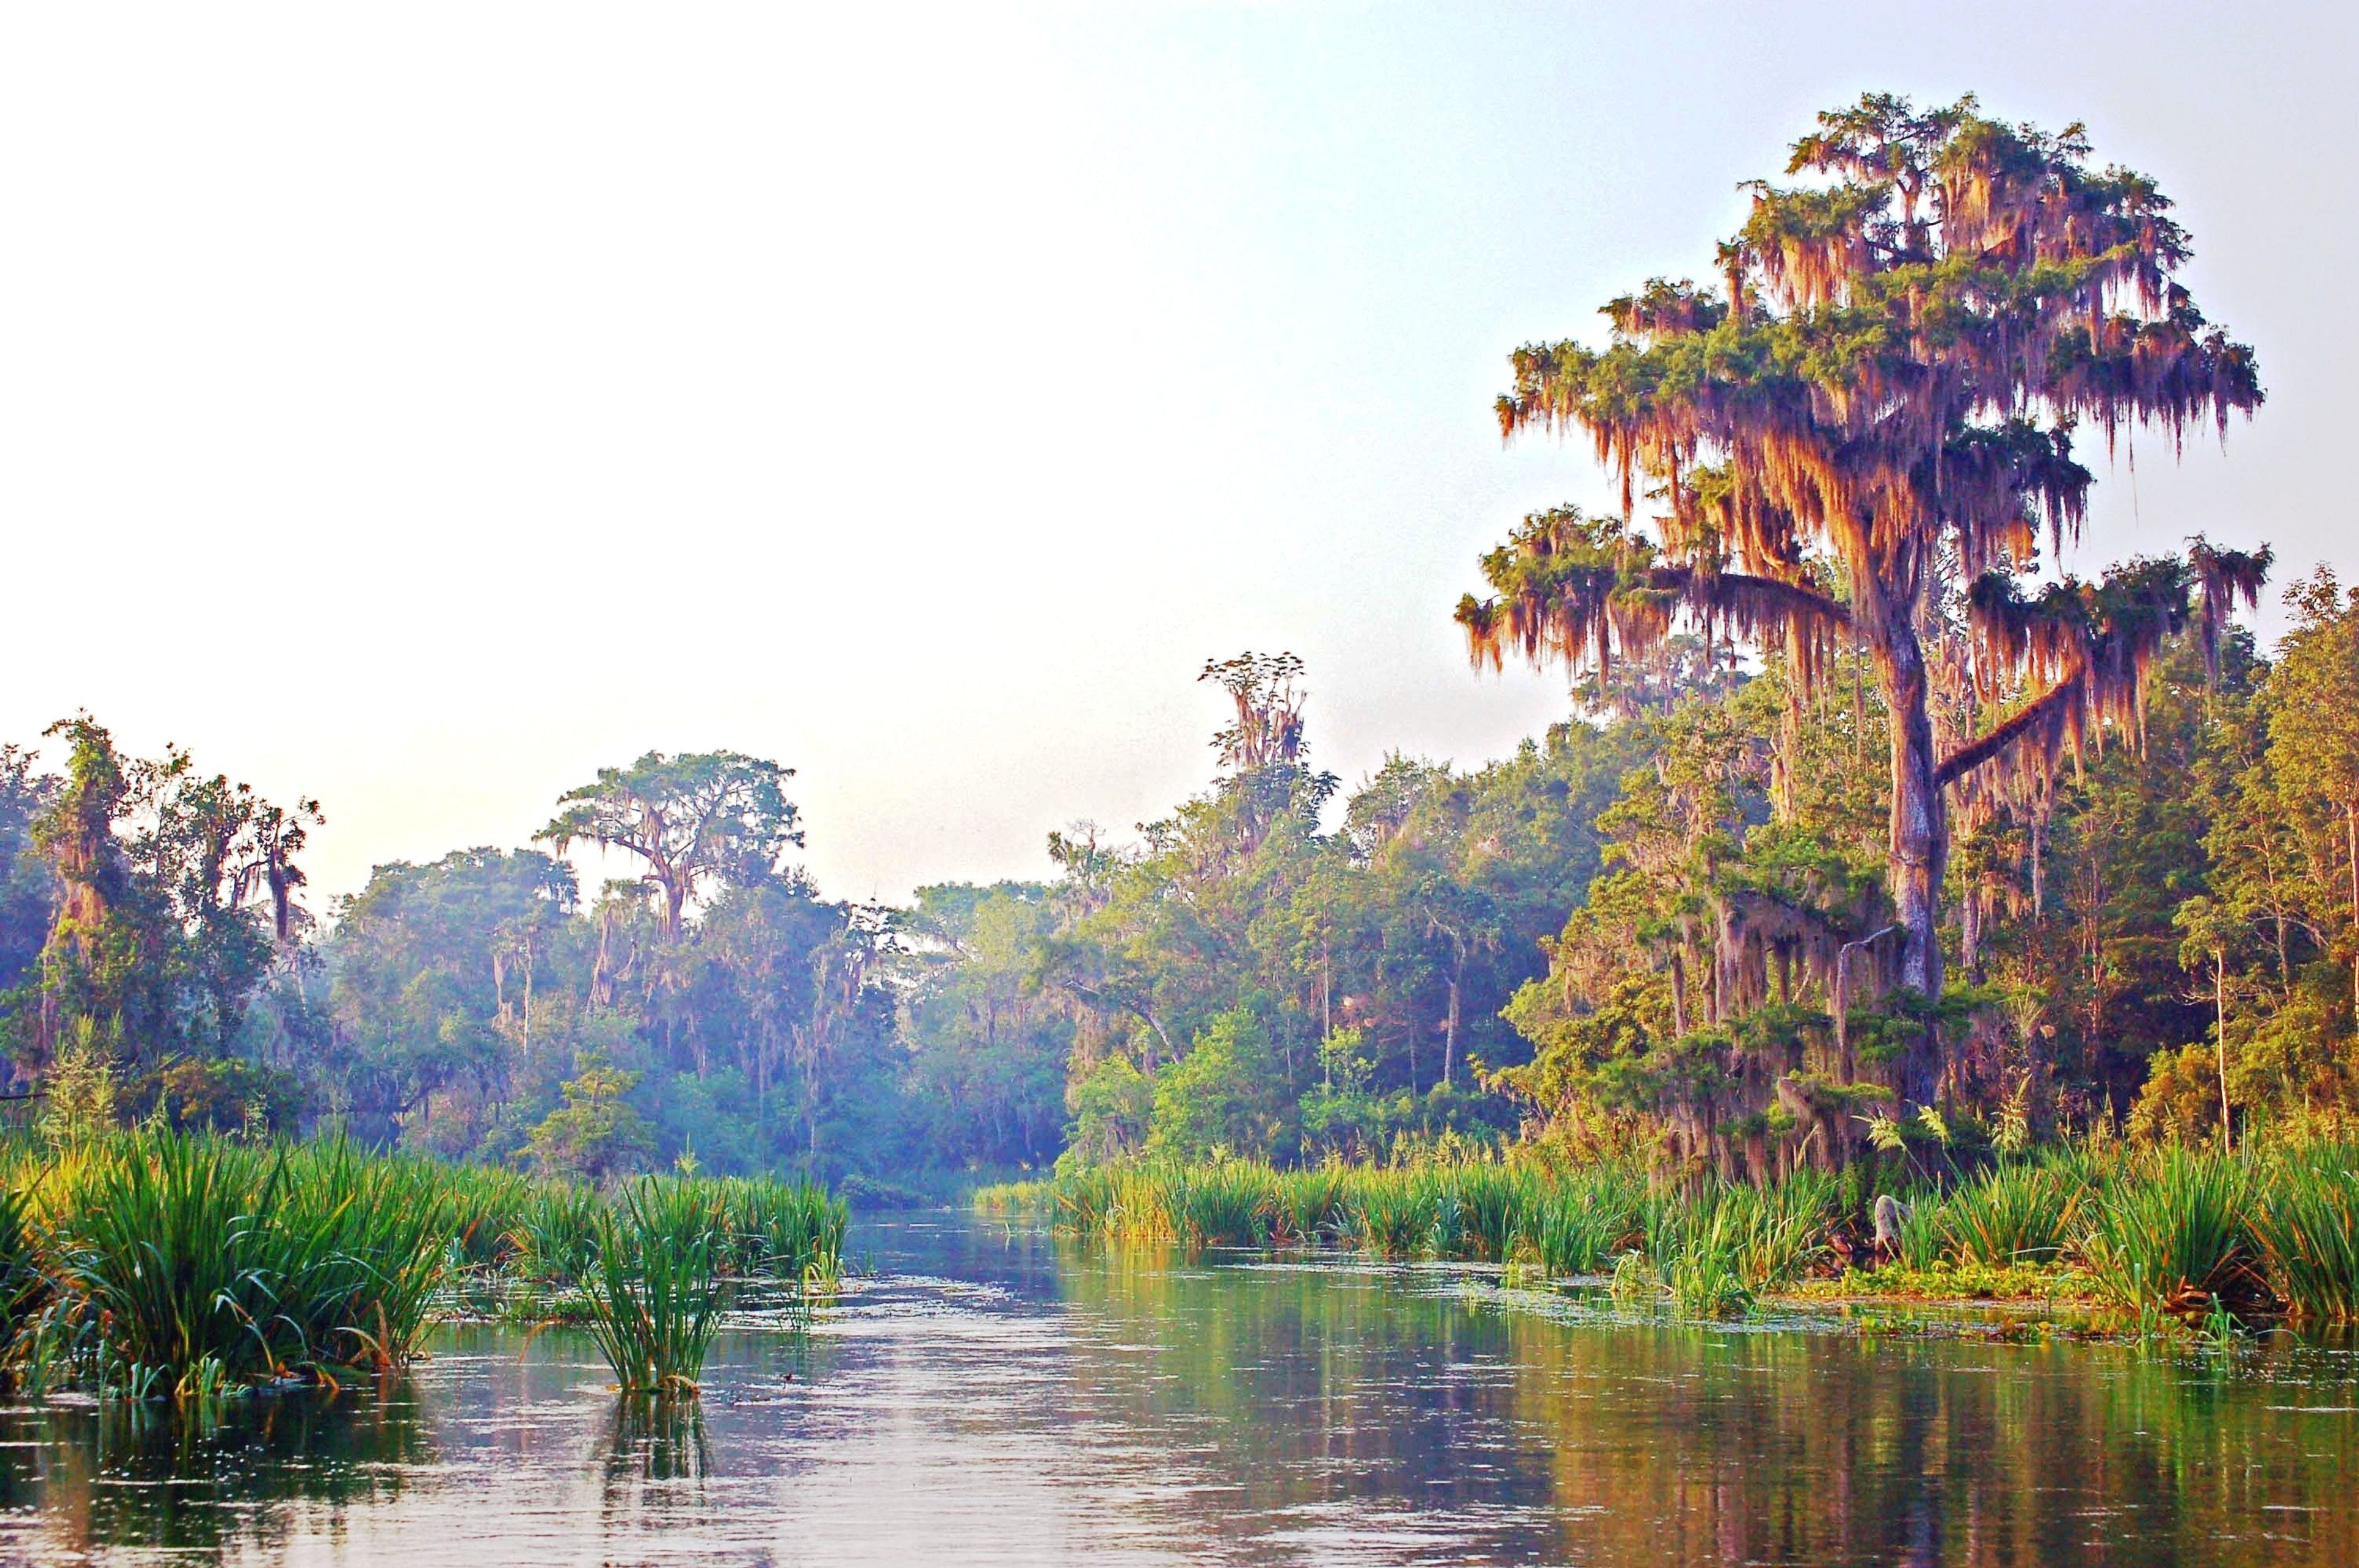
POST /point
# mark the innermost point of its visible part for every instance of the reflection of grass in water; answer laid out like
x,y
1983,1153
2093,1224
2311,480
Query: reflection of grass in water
x,y
656,1440
196,1477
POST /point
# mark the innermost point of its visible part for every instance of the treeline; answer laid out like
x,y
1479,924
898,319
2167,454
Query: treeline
x,y
1631,931
1239,978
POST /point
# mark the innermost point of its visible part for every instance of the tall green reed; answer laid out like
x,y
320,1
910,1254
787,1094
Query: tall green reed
x,y
2307,1225
655,1291
2172,1233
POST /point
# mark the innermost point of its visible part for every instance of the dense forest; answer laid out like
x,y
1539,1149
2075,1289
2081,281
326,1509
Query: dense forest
x,y
1864,826
1623,931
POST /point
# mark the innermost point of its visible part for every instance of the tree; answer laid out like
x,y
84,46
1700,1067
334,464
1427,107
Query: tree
x,y
596,1135
1873,409
174,902
2314,746
691,818
1221,1097
447,973
28,889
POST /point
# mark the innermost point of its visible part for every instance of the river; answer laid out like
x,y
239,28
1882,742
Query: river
x,y
985,1394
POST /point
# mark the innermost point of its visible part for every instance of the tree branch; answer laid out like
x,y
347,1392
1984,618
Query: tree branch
x,y
2041,710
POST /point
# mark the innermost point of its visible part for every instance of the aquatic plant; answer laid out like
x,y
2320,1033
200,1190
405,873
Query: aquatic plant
x,y
2011,1214
788,1230
2307,1226
204,1261
1582,1223
2173,1235
553,1237
361,1246
654,1294
1306,1206
24,1288
1497,1206
1225,1204
1388,1215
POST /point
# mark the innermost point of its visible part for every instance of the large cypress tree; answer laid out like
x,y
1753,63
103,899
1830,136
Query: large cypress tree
x,y
1875,403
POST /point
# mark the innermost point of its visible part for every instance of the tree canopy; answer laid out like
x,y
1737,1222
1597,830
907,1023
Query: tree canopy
x,y
1858,435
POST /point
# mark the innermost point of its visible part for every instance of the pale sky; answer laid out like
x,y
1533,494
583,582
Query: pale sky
x,y
419,407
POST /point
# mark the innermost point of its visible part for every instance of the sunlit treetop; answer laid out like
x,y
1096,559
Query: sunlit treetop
x,y
1874,400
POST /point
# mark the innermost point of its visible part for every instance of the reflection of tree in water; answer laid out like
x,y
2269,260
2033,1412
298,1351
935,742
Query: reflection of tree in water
x,y
149,1474
1684,1444
1320,1384
1696,1446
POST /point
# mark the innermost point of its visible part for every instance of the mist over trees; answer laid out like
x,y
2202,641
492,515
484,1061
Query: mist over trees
x,y
1865,824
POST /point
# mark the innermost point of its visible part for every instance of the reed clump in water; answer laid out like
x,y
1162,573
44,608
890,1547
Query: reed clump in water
x,y
657,1291
2308,1230
184,1264
789,1231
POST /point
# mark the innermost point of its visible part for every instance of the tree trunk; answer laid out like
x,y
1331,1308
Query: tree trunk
x,y
2351,835
1450,1029
1920,848
2219,1037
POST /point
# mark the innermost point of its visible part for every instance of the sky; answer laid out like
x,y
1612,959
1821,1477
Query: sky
x,y
419,407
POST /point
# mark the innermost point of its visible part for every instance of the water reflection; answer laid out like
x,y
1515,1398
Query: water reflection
x,y
99,1478
995,1398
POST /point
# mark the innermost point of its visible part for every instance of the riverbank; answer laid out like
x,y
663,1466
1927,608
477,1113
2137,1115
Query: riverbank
x,y
2151,1241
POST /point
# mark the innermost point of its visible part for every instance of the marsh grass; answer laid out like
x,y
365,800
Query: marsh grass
x,y
655,1293
2172,1235
1389,1219
24,1290
2306,1227
791,1231
553,1235
1582,1224
156,1265
2157,1234
1228,1203
1306,1206
206,1263
2014,1213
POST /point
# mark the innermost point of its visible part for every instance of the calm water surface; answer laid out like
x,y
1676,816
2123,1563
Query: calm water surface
x,y
989,1396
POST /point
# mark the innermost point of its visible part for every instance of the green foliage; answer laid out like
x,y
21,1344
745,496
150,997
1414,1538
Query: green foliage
x,y
24,1288
2175,1234
790,1231
655,1292
595,1136
1222,1098
1224,1203
203,1260
1587,1221
2307,1226
2012,1213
